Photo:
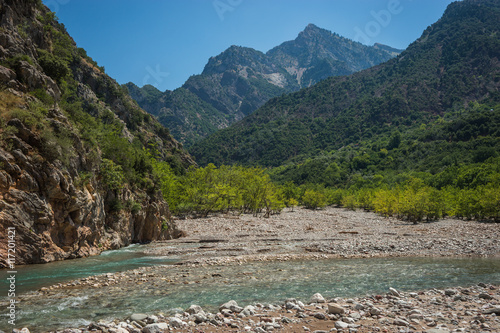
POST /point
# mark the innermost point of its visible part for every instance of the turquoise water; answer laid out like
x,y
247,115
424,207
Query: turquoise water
x,y
33,277
250,283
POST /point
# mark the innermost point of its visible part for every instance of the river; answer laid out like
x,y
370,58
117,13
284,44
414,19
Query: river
x,y
210,286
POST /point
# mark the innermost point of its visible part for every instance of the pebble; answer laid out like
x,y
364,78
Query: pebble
x,y
319,315
394,292
176,322
231,306
194,309
138,317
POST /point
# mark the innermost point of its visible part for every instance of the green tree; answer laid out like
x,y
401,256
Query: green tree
x,y
313,199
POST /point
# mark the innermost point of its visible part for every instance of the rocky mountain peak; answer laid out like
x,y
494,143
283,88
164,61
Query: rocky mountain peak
x,y
313,31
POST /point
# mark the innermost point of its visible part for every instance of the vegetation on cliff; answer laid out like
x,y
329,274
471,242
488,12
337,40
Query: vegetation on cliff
x,y
75,173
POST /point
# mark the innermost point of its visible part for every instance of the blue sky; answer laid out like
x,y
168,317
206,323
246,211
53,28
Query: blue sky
x,y
163,42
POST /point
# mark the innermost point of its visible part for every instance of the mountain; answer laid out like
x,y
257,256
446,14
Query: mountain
x,y
239,80
454,62
77,155
317,54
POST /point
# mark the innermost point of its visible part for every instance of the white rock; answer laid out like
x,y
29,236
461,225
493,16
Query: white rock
x,y
317,298
400,322
232,306
138,317
152,319
334,308
359,306
394,292
341,325
176,322
155,328
200,317
193,309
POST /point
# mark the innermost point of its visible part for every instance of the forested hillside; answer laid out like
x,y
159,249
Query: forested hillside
x,y
454,63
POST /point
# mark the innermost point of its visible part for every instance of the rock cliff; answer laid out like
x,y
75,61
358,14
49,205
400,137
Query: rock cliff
x,y
75,168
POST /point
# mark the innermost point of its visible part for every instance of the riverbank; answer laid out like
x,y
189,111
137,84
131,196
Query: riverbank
x,y
461,309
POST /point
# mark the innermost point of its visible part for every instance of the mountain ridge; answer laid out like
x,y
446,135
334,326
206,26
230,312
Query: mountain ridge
x,y
236,82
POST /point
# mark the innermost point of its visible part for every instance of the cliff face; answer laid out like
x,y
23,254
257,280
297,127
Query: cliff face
x,y
75,175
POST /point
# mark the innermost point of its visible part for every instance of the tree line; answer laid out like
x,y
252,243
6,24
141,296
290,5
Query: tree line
x,y
237,189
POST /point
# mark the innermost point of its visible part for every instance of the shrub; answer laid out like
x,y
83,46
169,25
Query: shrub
x,y
54,67
334,196
134,206
115,205
313,199
386,202
349,202
292,203
111,174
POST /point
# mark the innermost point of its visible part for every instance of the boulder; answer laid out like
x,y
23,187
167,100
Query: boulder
x,y
334,308
194,309
340,325
394,292
317,298
232,306
176,322
495,310
249,310
155,328
6,75
401,322
138,317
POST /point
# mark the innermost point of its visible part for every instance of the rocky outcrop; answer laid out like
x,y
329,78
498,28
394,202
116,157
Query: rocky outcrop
x,y
57,217
51,191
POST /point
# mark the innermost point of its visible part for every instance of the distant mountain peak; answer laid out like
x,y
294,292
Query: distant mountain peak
x,y
453,63
312,27
313,30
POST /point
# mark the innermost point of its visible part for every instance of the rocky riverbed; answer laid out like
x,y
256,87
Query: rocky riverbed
x,y
472,309
331,232
221,251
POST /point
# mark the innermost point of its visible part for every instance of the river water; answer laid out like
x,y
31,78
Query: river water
x,y
211,286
